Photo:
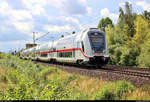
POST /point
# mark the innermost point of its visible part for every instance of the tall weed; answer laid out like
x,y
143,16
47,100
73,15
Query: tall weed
x,y
114,91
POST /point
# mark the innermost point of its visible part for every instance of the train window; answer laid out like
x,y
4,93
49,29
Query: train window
x,y
82,46
65,54
73,52
44,55
60,54
97,41
68,54
54,49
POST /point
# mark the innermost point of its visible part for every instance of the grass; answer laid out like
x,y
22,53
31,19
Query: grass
x,y
3,81
24,80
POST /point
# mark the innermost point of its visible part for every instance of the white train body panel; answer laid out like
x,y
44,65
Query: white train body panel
x,y
89,46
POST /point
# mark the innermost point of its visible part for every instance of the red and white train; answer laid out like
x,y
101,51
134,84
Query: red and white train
x,y
87,47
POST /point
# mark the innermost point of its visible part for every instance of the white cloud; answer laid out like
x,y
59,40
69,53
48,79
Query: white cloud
x,y
4,28
15,42
56,3
25,27
30,3
3,6
13,14
72,7
37,10
20,14
36,7
89,10
145,5
75,21
67,20
13,45
55,28
106,13
20,19
33,7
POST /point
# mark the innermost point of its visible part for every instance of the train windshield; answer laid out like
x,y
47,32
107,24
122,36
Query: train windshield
x,y
97,40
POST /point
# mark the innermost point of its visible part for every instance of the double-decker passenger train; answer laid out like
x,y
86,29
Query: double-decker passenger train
x,y
87,47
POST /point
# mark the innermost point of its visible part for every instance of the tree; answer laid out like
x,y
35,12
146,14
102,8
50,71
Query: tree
x,y
127,17
121,13
110,35
104,22
144,58
129,40
142,30
128,56
146,15
128,8
140,43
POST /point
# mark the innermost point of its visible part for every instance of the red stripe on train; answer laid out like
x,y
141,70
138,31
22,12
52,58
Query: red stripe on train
x,y
66,50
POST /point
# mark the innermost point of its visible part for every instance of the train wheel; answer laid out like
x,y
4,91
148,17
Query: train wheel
x,y
52,60
98,66
79,62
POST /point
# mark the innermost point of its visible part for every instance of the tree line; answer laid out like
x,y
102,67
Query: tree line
x,y
129,39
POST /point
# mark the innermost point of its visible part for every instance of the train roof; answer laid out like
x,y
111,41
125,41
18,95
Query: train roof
x,y
29,49
78,36
45,46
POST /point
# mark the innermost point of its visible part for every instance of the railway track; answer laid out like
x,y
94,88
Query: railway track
x,y
140,72
136,76
130,68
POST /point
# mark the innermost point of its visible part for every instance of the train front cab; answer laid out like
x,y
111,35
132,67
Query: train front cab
x,y
98,47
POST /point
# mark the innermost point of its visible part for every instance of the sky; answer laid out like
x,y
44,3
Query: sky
x,y
20,18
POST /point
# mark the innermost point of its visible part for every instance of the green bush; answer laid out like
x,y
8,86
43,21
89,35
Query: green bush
x,y
2,55
115,53
3,78
114,91
69,79
54,91
46,71
23,91
122,55
144,58
129,56
106,93
30,82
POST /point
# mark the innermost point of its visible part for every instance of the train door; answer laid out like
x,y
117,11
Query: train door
x,y
73,53
78,52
